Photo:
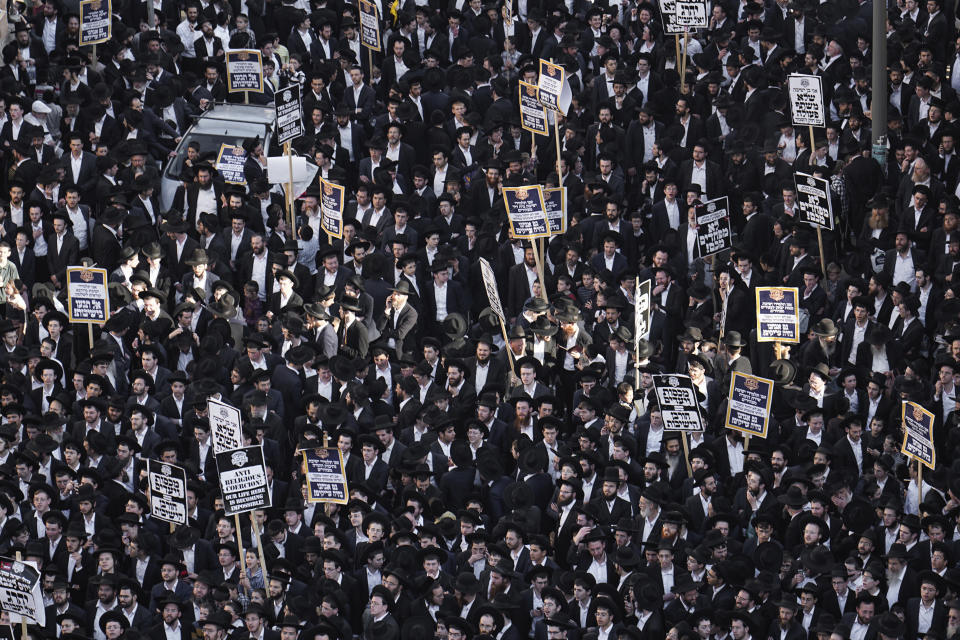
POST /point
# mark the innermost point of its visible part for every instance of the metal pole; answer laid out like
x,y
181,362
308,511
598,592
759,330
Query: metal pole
x,y
878,109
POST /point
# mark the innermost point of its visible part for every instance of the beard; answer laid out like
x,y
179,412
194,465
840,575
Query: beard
x,y
828,346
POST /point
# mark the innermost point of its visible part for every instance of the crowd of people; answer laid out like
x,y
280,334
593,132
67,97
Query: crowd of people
x,y
507,480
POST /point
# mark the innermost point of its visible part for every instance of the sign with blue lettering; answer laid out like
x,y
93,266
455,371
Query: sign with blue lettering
x,y
918,434
778,314
87,298
748,407
527,212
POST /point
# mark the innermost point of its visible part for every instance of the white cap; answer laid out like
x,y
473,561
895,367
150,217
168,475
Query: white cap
x,y
39,107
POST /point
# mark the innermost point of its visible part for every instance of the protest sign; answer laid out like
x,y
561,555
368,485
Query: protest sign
x,y
243,479
168,492
289,114
370,35
244,70
806,100
748,405
692,15
641,311
553,89
230,161
326,477
713,226
813,200
668,11
226,426
918,434
526,212
490,284
95,22
87,297
20,594
778,314
555,202
533,115
678,402
332,201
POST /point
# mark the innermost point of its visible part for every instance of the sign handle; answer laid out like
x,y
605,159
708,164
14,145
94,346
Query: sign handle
x,y
746,442
256,533
90,334
683,63
246,97
556,134
676,42
506,342
290,196
919,483
686,453
243,556
370,57
23,619
535,243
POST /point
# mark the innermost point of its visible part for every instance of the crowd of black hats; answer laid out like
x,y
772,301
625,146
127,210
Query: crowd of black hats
x,y
511,474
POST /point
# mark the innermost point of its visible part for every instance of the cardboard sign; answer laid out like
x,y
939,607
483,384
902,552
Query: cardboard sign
x,y
490,284
326,477
526,212
692,15
813,200
87,297
641,310
748,405
778,314
168,492
555,202
668,12
332,202
370,36
230,161
918,434
20,591
243,480
96,22
678,403
553,91
806,100
289,114
226,426
533,115
244,70
713,227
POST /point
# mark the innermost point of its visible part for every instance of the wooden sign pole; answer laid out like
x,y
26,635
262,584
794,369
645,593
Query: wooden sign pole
x,y
243,556
683,63
919,482
686,453
256,533
823,262
290,196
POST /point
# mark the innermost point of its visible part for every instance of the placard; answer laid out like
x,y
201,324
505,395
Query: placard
x,y
332,201
96,22
244,70
813,200
226,426
806,100
918,434
526,212
289,113
748,405
230,161
87,297
533,115
641,310
713,226
668,12
553,91
168,492
20,591
243,480
692,15
370,36
326,478
677,398
778,314
490,284
555,203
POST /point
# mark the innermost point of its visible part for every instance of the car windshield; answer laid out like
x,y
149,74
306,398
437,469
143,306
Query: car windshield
x,y
209,135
